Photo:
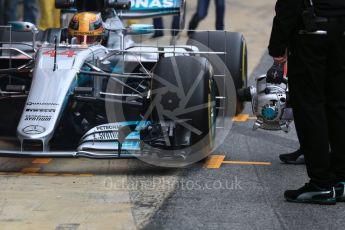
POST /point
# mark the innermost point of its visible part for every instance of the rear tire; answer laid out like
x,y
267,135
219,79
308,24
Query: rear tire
x,y
235,57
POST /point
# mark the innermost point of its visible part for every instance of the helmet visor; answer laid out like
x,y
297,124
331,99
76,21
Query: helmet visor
x,y
88,39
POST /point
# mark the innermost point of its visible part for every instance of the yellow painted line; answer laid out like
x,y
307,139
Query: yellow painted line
x,y
214,161
252,118
42,161
247,163
241,118
31,170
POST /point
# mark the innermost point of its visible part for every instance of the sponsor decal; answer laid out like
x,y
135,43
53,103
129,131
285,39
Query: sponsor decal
x,y
117,126
40,110
40,103
112,136
68,53
37,118
34,129
154,4
107,136
108,127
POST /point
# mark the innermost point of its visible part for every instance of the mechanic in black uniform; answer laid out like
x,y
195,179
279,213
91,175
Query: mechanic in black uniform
x,y
310,34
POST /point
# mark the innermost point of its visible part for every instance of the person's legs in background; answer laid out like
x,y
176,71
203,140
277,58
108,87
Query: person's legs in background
x,y
220,12
175,26
50,16
30,11
199,15
56,17
10,10
158,24
2,12
2,18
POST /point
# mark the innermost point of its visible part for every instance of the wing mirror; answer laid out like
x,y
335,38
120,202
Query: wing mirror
x,y
23,27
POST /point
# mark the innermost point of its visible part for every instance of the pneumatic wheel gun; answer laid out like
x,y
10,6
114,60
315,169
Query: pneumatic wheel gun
x,y
270,104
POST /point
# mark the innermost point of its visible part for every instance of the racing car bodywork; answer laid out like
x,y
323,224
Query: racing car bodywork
x,y
120,98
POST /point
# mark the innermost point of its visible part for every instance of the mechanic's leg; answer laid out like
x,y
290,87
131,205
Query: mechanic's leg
x,y
200,14
336,101
307,71
30,11
10,10
220,11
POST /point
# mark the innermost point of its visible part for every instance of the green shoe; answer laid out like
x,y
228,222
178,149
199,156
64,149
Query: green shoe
x,y
312,194
340,191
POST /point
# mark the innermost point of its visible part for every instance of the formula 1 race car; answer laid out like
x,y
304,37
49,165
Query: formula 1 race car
x,y
109,93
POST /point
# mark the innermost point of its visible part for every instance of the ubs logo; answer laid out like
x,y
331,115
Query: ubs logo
x,y
34,129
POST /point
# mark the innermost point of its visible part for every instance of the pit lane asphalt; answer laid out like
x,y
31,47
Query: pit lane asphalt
x,y
257,201
127,194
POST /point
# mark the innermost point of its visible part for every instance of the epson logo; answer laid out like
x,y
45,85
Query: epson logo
x,y
152,3
37,118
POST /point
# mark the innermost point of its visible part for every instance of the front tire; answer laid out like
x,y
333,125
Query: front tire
x,y
184,89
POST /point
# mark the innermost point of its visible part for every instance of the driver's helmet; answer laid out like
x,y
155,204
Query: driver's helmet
x,y
87,28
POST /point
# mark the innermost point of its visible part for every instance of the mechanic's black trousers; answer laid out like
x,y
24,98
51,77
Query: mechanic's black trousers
x,y
317,88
